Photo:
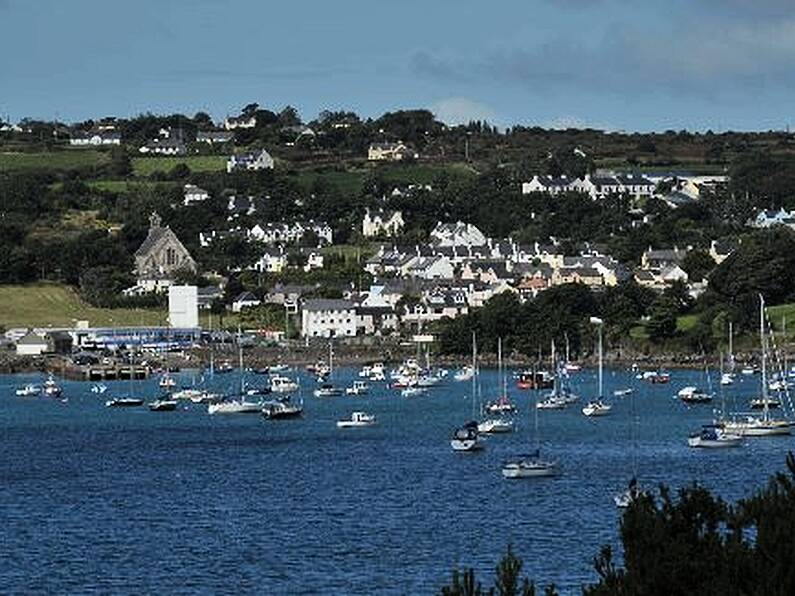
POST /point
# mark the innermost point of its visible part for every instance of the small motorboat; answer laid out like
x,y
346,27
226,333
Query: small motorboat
x,y
357,419
467,438
464,374
552,402
749,370
694,395
124,402
727,379
493,426
235,406
412,391
571,367
358,388
167,382
258,391
281,410
281,384
623,392
501,406
327,390
28,390
276,368
715,437
529,466
163,405
596,408
206,397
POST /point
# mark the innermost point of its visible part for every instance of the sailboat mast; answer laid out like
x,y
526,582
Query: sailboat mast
x,y
240,362
763,342
474,373
731,351
499,360
601,373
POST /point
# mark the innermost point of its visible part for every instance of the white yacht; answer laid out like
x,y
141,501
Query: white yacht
x,y
163,405
492,426
464,374
357,419
552,402
596,408
693,395
529,466
713,436
124,402
279,384
281,410
234,406
358,388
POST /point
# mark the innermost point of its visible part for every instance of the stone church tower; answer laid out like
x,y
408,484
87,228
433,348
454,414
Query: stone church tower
x,y
160,256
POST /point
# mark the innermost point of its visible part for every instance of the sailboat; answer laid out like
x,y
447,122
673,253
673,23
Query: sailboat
x,y
466,437
598,407
240,405
625,498
764,425
501,405
531,465
327,388
561,395
727,377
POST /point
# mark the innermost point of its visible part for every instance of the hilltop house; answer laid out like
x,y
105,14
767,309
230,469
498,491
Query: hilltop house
x,y
769,218
242,121
457,234
389,152
194,194
378,222
245,300
160,257
258,160
214,136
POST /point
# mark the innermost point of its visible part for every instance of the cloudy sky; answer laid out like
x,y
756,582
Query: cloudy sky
x,y
614,64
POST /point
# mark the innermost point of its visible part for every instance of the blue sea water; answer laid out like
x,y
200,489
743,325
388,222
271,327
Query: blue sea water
x,y
95,499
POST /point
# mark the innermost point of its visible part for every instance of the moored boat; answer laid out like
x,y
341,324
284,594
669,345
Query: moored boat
x,y
357,419
713,436
28,390
163,405
124,402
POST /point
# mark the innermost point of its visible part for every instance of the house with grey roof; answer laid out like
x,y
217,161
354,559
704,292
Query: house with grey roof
x,y
327,318
254,161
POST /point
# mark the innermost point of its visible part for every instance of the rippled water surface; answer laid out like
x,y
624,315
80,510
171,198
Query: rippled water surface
x,y
115,500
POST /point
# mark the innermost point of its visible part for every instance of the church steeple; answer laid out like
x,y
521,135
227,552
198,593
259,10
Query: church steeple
x,y
154,221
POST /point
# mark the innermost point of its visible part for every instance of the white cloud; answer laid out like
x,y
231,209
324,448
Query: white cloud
x,y
461,110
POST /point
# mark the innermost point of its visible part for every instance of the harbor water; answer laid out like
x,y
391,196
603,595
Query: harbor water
x,y
117,500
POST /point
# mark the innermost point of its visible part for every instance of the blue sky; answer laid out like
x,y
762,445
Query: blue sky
x,y
614,64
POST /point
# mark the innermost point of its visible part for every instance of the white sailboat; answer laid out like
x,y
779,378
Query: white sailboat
x,y
625,498
356,420
239,405
764,425
598,407
531,465
327,388
727,377
502,406
466,437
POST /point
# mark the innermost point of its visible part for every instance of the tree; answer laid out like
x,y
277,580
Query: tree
x,y
697,264
662,319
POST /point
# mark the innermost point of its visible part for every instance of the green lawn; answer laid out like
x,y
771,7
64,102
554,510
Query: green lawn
x,y
781,315
350,180
52,160
143,166
43,304
121,186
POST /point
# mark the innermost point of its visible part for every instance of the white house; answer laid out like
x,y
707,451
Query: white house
x,y
258,160
164,146
245,300
194,194
242,121
273,260
212,137
328,318
33,344
457,234
769,218
382,222
95,137
429,268
389,152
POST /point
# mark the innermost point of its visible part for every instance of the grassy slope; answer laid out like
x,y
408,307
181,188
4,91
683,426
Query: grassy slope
x,y
143,166
44,304
53,160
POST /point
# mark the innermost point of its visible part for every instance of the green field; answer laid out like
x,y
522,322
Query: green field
x,y
43,304
143,166
350,181
52,160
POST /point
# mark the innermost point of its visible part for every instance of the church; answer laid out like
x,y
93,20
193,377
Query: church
x,y
160,257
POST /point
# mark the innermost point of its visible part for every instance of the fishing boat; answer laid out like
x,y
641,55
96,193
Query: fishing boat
x,y
51,388
466,437
163,405
358,388
357,419
282,410
598,407
234,406
693,395
124,402
279,384
28,390
713,436
763,425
